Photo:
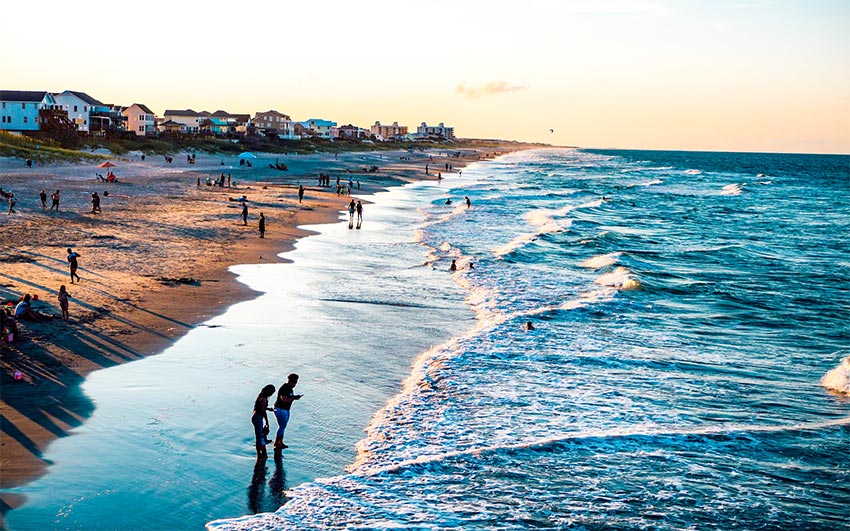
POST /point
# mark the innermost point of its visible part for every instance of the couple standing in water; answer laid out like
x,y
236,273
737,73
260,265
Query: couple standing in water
x,y
260,417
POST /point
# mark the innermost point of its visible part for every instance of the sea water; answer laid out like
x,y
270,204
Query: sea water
x,y
684,371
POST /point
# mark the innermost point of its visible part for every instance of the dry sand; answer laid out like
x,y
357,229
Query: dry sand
x,y
153,265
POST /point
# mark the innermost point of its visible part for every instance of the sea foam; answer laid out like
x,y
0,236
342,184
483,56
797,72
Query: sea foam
x,y
838,379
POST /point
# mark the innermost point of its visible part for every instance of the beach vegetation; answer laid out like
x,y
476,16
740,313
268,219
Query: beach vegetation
x,y
41,150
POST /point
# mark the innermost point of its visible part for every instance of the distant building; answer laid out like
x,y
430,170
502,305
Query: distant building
x,y
20,110
351,132
189,118
274,123
319,128
438,131
140,119
389,132
170,126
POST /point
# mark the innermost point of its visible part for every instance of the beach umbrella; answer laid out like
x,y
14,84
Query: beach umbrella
x,y
246,155
106,164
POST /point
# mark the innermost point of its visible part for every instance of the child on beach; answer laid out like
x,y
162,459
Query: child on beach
x,y
260,419
63,301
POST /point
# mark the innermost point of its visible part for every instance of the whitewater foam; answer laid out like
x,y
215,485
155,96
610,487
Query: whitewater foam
x,y
838,379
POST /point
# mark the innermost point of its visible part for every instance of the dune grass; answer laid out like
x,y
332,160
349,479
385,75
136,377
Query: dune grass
x,y
41,151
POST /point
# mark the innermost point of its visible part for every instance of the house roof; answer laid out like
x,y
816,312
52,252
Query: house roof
x,y
187,112
171,123
81,95
221,114
22,95
143,107
318,122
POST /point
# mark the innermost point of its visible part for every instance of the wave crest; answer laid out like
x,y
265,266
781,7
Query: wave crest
x,y
838,379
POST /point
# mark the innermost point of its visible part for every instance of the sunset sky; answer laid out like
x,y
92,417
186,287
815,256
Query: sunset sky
x,y
725,75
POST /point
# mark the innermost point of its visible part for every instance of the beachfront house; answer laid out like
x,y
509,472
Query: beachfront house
x,y
170,127
388,132
140,119
222,122
319,128
23,110
440,132
351,132
189,118
79,107
275,123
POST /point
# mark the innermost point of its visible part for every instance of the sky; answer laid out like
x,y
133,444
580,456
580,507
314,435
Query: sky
x,y
771,76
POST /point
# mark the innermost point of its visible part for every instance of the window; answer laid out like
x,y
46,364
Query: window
x,y
25,119
141,129
85,108
75,108
141,117
23,106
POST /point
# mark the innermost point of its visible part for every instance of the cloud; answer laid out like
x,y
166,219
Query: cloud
x,y
490,89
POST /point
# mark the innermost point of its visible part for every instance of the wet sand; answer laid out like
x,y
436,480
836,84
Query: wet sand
x,y
153,265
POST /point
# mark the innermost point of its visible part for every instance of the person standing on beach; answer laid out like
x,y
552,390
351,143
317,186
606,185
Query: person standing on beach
x,y
359,212
43,197
262,225
352,207
285,396
63,301
95,203
244,213
300,192
260,419
12,202
72,262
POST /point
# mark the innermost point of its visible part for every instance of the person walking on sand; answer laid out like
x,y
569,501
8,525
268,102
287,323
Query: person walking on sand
x,y
63,301
72,262
54,197
43,197
260,420
285,396
262,225
300,192
12,202
244,213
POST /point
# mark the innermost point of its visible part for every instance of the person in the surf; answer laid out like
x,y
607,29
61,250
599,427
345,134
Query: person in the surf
x,y
260,419
285,396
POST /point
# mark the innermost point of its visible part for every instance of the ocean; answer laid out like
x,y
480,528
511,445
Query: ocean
x,y
688,366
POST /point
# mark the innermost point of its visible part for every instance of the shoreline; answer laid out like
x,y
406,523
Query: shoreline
x,y
166,272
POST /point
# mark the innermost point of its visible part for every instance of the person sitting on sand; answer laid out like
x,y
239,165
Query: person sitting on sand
x,y
260,419
24,310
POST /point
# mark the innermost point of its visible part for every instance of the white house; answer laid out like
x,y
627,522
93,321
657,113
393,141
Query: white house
x,y
140,119
320,128
19,109
79,106
441,131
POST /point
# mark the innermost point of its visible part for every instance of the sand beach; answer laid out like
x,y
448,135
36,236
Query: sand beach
x,y
153,264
